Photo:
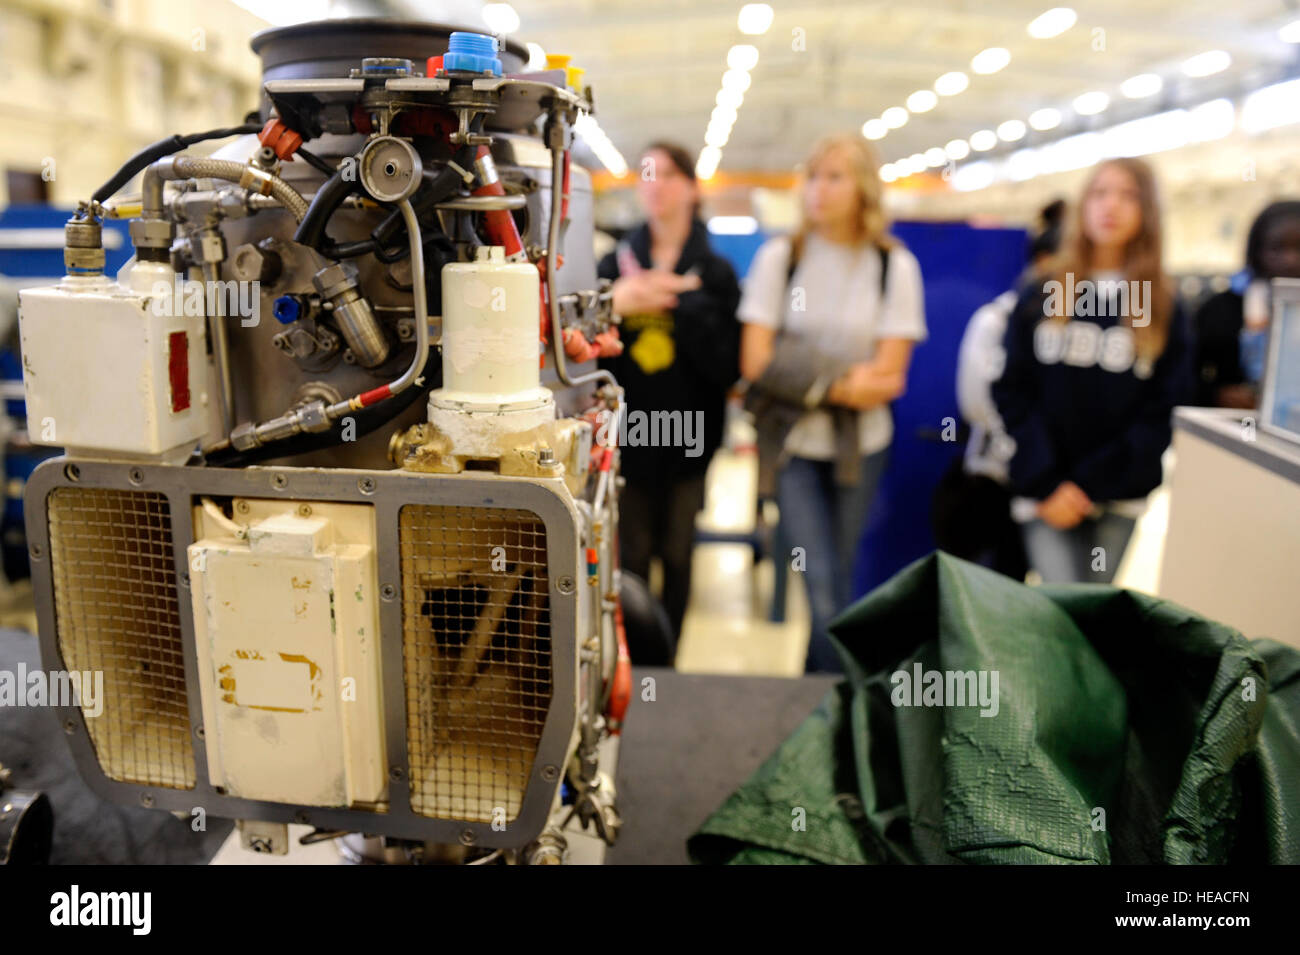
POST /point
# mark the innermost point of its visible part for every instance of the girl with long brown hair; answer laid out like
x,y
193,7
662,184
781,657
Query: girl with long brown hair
x,y
831,316
1097,356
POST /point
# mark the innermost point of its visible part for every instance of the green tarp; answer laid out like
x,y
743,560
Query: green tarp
x,y
1124,729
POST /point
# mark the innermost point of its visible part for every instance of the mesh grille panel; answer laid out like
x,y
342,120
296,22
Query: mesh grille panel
x,y
477,651
116,612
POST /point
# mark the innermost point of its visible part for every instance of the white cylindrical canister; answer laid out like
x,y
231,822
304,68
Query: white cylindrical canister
x,y
489,329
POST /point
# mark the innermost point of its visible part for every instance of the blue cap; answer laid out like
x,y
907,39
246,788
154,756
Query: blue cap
x,y
473,52
286,309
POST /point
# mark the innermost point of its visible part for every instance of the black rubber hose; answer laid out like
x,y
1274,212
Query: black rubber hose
x,y
366,421
311,230
164,147
320,165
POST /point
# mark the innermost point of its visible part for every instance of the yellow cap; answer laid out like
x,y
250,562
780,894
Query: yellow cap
x,y
572,74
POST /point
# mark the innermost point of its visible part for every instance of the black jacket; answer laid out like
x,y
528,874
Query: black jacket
x,y
684,360
1093,417
1218,346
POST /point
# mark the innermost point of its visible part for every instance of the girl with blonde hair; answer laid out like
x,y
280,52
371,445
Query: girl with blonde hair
x,y
830,315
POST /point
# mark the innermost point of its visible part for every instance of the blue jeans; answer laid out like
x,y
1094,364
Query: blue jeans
x,y
825,522
1089,552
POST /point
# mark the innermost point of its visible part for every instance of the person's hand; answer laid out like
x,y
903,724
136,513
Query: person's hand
x,y
653,290
1065,507
1244,397
863,387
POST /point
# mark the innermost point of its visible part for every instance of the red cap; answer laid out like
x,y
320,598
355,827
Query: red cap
x,y
433,65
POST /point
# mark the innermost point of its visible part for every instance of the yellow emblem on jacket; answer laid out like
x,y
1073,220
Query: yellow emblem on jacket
x,y
654,348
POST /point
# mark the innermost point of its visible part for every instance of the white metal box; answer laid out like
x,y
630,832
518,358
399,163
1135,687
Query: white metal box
x,y
287,632
110,369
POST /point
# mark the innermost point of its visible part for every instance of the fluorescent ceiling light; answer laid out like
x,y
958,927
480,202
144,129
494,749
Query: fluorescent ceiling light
x,y
1090,104
990,60
895,117
536,57
716,136
1022,165
723,115
1290,33
950,84
742,56
737,80
1046,118
500,17
975,175
591,133
957,149
1150,134
1052,23
935,157
281,14
733,225
1072,152
1271,107
983,140
922,101
754,19
729,98
1142,85
888,173
1207,64
875,129
707,164
1011,131
1214,120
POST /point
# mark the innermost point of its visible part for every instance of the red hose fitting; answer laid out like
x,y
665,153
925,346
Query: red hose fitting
x,y
620,694
282,140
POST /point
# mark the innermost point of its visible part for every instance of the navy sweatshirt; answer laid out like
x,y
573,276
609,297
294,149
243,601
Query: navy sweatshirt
x,y
1082,407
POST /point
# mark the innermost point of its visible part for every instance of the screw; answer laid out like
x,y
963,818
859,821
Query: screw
x,y
367,485
146,800
565,584
550,773
198,732
280,482
258,844
72,472
70,727
243,507
136,476
388,592
467,837
304,510
396,773
185,580
546,457
301,818
35,551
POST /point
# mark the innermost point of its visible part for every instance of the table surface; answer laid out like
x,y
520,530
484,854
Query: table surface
x,y
684,753
681,755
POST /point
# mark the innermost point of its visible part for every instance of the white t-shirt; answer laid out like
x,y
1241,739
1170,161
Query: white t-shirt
x,y
834,294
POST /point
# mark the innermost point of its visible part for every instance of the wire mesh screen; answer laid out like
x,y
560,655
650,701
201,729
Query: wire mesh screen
x,y
116,613
477,651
